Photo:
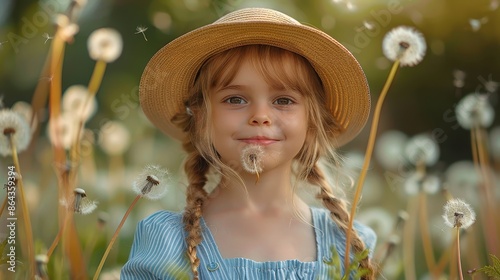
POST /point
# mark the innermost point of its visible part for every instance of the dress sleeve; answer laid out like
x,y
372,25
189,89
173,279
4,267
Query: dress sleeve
x,y
158,250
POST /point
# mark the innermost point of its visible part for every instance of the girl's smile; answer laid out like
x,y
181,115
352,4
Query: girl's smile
x,y
251,111
259,140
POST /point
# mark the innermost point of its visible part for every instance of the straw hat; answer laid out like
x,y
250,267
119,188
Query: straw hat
x,y
171,71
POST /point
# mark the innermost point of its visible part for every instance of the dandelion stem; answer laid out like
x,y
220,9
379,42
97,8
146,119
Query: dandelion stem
x,y
115,235
487,180
58,236
366,163
93,87
482,164
25,210
3,205
424,231
408,240
459,262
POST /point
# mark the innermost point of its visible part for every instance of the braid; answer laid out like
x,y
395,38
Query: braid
x,y
196,169
339,214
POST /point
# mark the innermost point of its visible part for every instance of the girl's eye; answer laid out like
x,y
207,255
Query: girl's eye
x,y
235,100
283,101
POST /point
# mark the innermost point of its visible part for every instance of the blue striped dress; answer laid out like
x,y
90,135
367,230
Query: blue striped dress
x,y
159,252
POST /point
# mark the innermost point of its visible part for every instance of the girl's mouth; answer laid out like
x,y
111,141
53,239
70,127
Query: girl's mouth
x,y
259,140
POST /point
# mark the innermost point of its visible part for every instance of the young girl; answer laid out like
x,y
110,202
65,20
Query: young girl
x,y
258,99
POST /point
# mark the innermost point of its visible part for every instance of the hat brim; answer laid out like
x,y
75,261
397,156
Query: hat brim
x,y
170,73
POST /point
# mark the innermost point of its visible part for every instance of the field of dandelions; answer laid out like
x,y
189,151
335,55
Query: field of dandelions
x,y
78,176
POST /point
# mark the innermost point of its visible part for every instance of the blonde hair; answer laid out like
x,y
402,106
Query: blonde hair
x,y
218,71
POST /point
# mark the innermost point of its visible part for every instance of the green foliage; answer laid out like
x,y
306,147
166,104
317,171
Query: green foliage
x,y
334,271
492,270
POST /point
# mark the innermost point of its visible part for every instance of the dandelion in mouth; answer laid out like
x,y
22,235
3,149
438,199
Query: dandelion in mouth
x,y
251,159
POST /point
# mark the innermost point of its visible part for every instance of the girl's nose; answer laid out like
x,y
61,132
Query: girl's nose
x,y
260,116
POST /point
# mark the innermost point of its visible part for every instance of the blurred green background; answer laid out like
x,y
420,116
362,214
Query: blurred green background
x,y
462,37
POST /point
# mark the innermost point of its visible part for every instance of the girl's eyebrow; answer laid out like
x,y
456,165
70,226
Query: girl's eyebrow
x,y
233,87
243,87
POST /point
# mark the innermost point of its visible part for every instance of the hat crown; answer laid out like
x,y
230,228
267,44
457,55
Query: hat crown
x,y
256,14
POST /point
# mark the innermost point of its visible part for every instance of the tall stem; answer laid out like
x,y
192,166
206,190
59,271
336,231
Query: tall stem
x,y
459,262
115,235
408,240
424,232
24,210
485,169
366,163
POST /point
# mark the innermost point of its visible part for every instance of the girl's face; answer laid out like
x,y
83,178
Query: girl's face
x,y
249,111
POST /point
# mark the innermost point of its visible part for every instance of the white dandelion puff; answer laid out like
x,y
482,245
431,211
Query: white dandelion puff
x,y
474,109
422,147
67,29
494,5
458,213
389,149
406,44
142,30
13,125
419,182
81,204
251,159
63,130
41,266
26,111
151,183
114,138
105,44
74,99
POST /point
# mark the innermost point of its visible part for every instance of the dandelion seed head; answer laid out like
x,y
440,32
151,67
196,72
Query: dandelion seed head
x,y
87,206
494,5
13,124
80,191
475,24
458,213
403,215
389,149
42,258
82,204
251,158
67,29
26,111
63,130
432,184
474,109
459,78
114,138
413,184
74,99
105,44
422,147
151,183
404,43
419,182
